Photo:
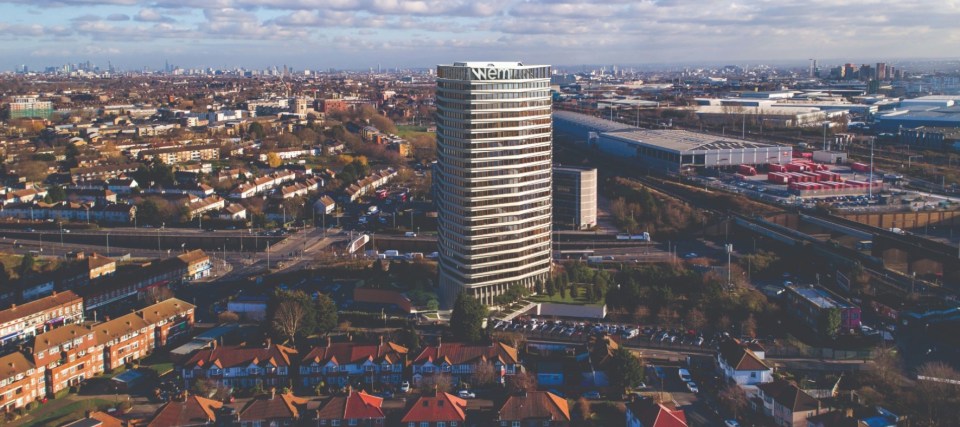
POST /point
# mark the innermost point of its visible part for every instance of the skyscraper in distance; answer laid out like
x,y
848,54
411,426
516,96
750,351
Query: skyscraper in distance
x,y
493,177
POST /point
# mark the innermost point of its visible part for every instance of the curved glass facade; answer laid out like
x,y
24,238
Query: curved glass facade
x,y
493,177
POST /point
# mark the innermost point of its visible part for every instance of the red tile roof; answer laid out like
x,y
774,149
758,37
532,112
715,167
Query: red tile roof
x,y
272,407
739,357
439,407
357,406
235,356
652,414
345,353
536,405
460,353
195,410
788,395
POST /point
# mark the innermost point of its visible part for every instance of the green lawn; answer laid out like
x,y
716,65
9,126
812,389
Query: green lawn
x,y
159,364
408,132
72,411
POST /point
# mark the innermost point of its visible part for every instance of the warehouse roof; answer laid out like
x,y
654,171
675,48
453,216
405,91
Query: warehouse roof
x,y
681,140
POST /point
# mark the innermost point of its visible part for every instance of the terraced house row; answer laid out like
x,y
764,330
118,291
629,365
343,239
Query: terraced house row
x,y
65,356
383,364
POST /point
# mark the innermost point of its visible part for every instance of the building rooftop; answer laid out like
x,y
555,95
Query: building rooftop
x,y
818,297
681,140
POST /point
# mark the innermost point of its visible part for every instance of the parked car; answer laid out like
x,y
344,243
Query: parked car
x,y
692,386
466,394
731,423
405,387
684,375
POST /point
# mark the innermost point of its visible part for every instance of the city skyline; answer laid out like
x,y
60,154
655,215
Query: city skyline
x,y
359,34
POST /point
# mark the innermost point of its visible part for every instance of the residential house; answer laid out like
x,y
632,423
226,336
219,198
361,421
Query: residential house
x,y
38,316
460,361
742,365
189,412
343,363
181,154
325,205
273,410
436,410
124,340
122,185
355,409
21,382
233,212
785,403
534,409
97,419
647,413
241,366
116,213
168,272
70,354
199,207
171,320
369,184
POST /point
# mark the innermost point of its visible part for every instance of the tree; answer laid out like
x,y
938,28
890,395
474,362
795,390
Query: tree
x,y
626,371
733,398
288,319
520,382
749,327
439,382
4,275
326,314
695,319
551,287
937,388
56,193
273,160
583,408
467,318
228,317
27,264
485,374
32,170
828,322
256,130
292,314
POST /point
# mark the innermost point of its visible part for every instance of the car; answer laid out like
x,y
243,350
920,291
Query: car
x,y
592,395
690,255
466,394
29,230
405,387
684,375
731,423
692,386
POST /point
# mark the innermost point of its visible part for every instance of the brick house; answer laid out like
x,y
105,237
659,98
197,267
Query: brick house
x,y
437,410
124,339
21,382
460,361
191,411
339,364
273,410
239,366
534,409
69,354
38,316
355,409
172,320
785,403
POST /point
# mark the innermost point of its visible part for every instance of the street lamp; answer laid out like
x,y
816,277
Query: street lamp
x,y
61,233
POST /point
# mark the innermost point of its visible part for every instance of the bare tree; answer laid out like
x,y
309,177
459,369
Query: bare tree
x,y
484,374
695,319
288,318
937,387
439,382
520,382
733,398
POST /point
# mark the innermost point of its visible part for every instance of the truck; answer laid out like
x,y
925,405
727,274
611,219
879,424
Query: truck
x,y
391,253
594,259
746,170
644,237
860,167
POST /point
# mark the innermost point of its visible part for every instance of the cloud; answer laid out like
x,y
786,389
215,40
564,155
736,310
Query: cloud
x,y
151,15
117,17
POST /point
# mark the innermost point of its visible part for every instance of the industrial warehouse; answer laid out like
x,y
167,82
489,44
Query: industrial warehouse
x,y
667,149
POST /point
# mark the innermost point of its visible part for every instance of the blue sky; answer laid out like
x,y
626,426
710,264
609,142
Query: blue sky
x,y
357,34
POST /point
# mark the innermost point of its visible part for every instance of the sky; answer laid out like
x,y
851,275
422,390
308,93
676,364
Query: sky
x,y
360,34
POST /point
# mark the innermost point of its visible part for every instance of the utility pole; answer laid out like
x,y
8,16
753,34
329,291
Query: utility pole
x,y
108,244
729,248
870,188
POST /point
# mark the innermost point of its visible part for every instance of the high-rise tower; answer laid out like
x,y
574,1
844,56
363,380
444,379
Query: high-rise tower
x,y
493,177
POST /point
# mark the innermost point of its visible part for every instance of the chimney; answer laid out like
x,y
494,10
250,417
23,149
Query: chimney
x,y
266,343
273,393
87,414
439,343
328,341
381,340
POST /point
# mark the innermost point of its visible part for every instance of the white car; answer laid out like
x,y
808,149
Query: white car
x,y
731,423
692,386
405,386
466,394
684,375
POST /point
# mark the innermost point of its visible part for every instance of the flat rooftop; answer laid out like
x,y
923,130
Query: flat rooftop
x,y
682,140
594,123
818,297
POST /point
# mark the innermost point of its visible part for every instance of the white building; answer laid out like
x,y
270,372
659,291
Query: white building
x,y
742,365
493,177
